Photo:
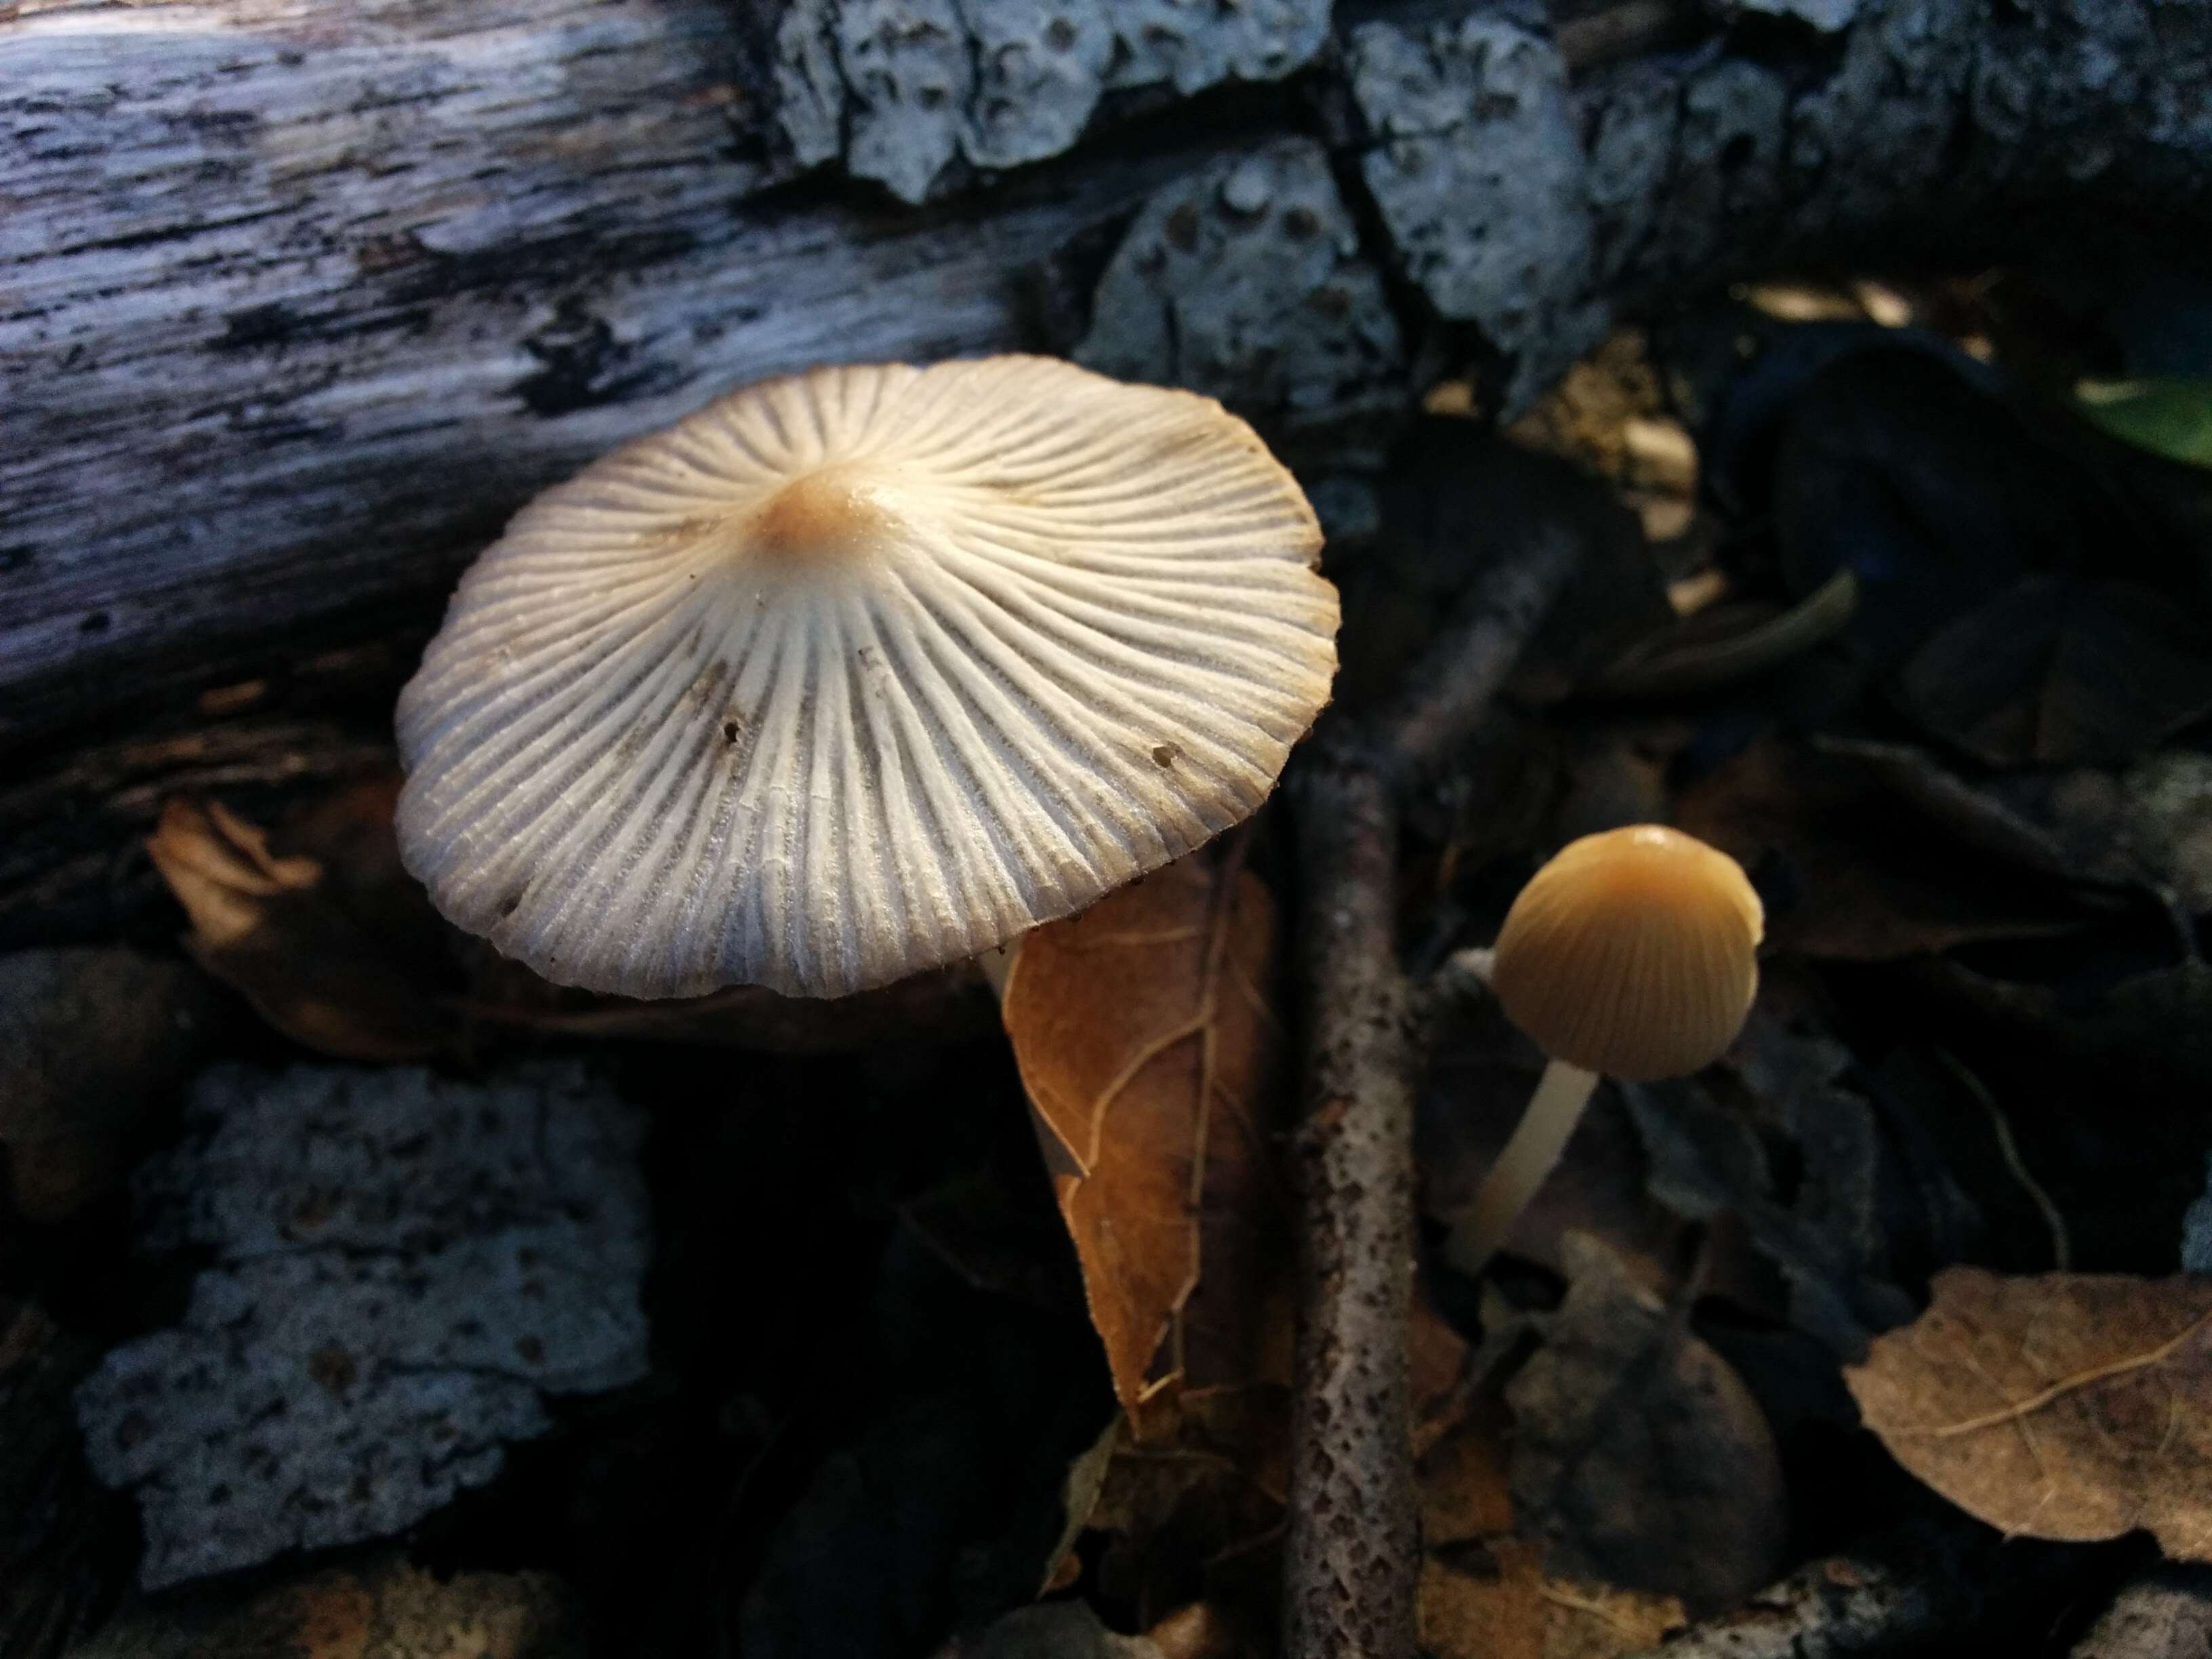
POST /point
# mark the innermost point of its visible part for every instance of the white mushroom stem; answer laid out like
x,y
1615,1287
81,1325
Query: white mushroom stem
x,y
1534,1152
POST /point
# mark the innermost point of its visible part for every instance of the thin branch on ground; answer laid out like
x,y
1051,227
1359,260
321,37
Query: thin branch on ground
x,y
1921,1588
2062,1243
1354,1540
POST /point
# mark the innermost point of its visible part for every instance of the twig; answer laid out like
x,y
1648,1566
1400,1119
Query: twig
x,y
1354,1542
1931,1586
1354,1545
2166,1611
1447,692
2061,1248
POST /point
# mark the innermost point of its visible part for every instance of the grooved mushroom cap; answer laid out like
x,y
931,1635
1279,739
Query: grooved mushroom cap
x,y
860,671
1634,953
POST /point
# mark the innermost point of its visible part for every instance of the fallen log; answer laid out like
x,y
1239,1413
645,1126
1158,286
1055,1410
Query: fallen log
x,y
298,303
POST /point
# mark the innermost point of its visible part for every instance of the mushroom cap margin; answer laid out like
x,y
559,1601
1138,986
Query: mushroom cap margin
x,y
655,749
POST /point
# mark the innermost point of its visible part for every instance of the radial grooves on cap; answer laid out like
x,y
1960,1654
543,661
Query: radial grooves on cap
x,y
1633,953
644,758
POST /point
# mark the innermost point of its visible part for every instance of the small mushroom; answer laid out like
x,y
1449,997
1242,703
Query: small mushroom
x,y
1632,954
862,671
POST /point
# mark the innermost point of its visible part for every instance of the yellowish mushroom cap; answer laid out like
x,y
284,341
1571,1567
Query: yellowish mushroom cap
x,y
1633,953
860,671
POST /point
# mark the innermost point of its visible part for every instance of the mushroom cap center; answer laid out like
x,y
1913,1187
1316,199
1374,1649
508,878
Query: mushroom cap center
x,y
1649,869
831,515
1633,953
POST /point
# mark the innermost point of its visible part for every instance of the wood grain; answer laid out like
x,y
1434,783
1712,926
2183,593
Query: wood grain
x,y
298,302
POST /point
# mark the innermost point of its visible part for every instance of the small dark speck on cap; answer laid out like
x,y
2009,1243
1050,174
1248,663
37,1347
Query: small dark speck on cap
x,y
1165,754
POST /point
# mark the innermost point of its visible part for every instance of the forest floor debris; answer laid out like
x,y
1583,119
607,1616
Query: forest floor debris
x,y
971,1328
404,1267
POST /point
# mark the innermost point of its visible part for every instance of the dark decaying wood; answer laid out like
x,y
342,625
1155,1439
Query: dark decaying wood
x,y
73,866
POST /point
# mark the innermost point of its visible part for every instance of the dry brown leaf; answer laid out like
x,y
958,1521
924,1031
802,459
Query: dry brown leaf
x,y
1639,1456
1229,1447
1200,1631
392,1611
2066,1405
265,926
1484,1593
1145,1040
1465,1476
322,929
1439,1364
1589,416
1199,1515
1078,1501
1844,879
1494,1600
2056,673
347,830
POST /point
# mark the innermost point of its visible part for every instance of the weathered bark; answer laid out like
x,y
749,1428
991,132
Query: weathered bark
x,y
1862,130
2165,1614
297,302
1943,1586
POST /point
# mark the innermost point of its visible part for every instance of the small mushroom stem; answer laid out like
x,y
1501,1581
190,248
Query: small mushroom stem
x,y
1530,1157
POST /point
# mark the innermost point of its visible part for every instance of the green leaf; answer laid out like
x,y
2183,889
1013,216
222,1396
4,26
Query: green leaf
x,y
2169,418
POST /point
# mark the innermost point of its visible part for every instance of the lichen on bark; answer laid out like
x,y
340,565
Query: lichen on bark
x,y
900,90
1245,282
405,1268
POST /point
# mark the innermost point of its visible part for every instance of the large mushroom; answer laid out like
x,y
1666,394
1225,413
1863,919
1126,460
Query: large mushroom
x,y
860,673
